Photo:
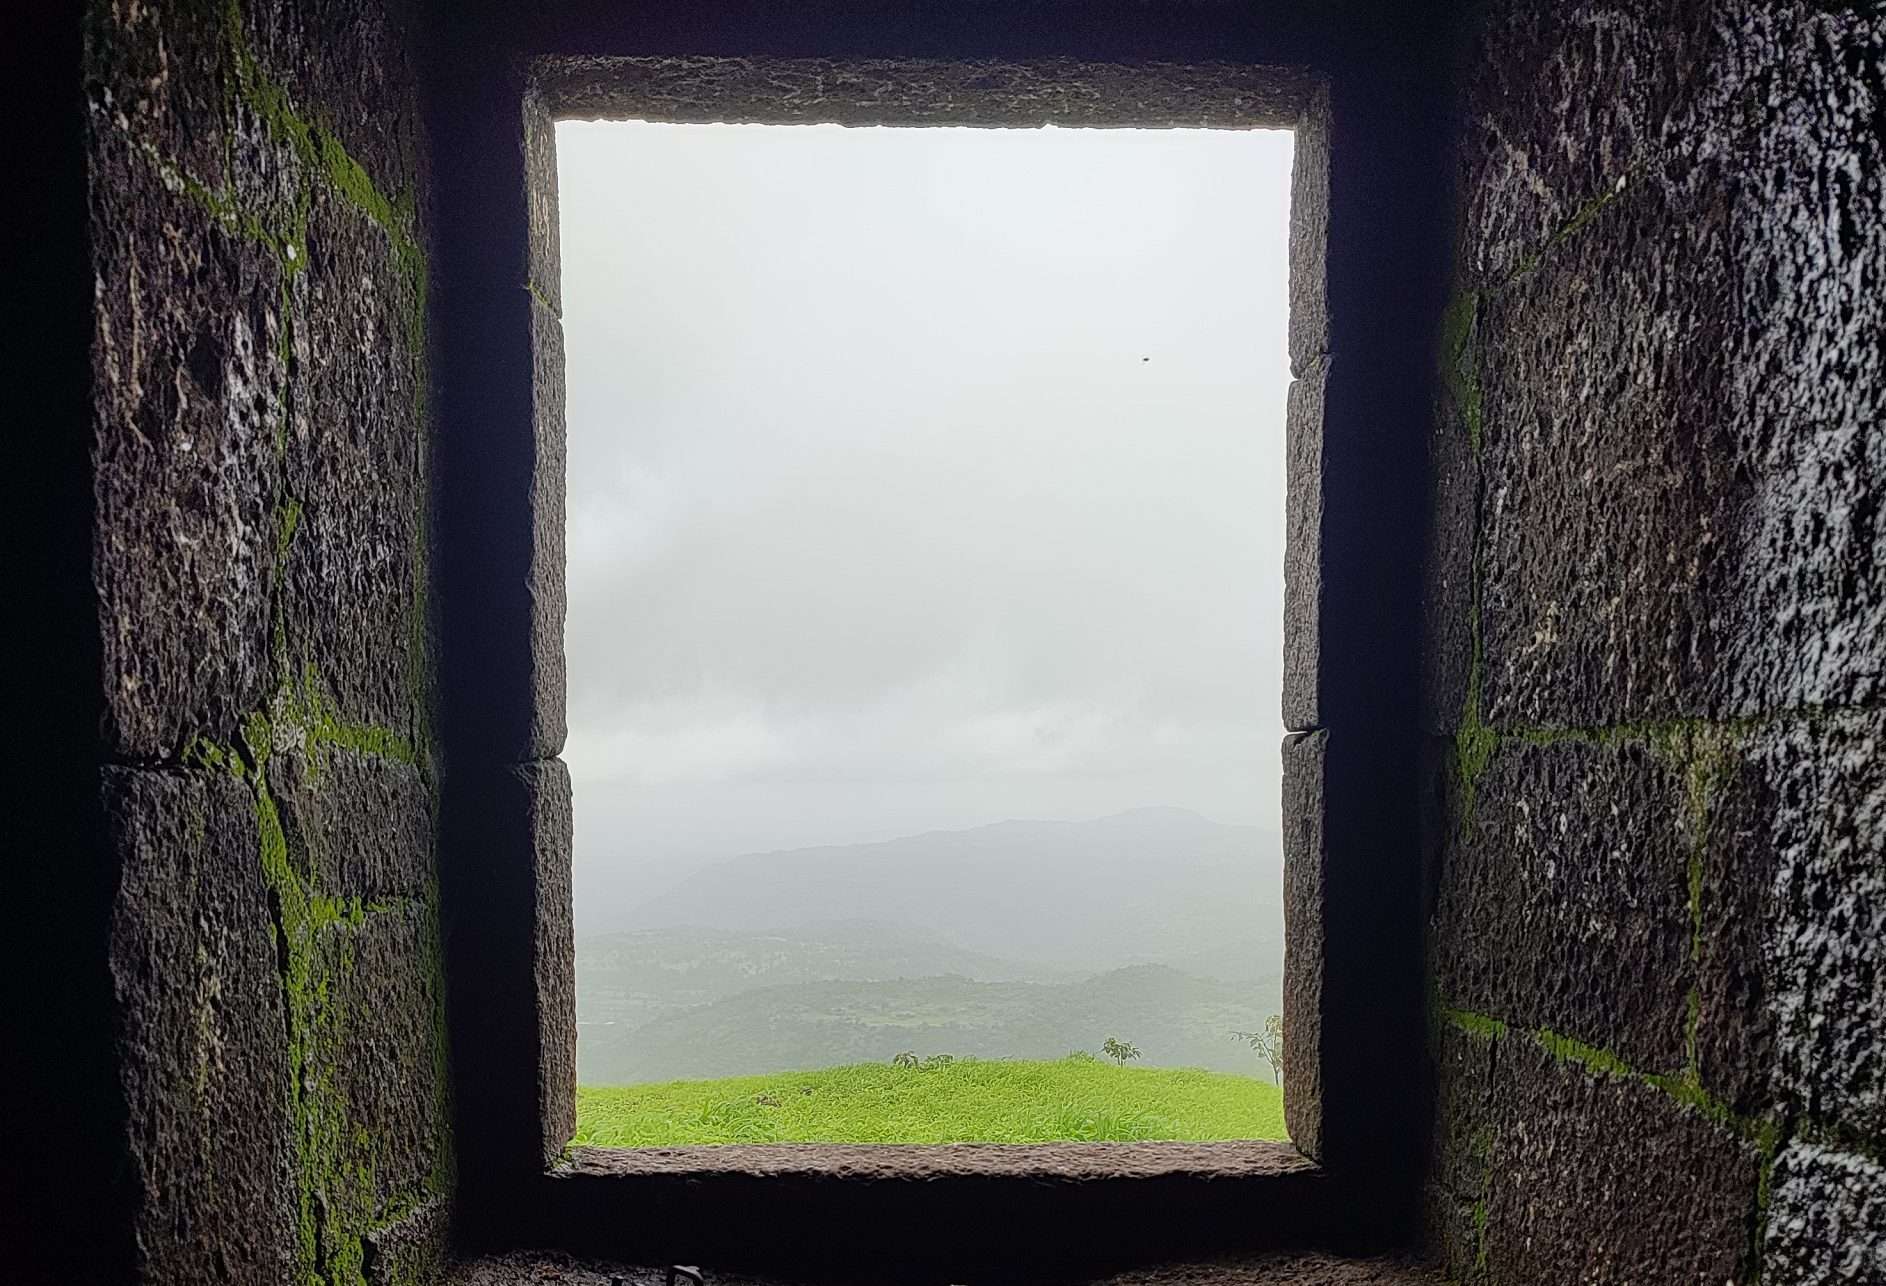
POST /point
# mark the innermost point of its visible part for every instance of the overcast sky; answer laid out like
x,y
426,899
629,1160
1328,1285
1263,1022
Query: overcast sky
x,y
918,479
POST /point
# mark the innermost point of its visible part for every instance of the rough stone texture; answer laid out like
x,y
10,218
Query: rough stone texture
x,y
363,823
553,953
1303,540
411,1250
546,584
1448,575
924,92
379,1044
540,192
257,224
1600,1179
1804,97
204,1068
1673,227
1566,903
1826,1218
1680,398
1609,473
1304,759
1562,100
1816,794
1295,1269
1309,234
513,969
351,521
188,381
353,65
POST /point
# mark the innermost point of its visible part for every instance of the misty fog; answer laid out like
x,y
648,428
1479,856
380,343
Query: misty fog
x,y
925,578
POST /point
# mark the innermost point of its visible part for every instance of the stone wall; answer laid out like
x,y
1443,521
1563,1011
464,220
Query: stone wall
x,y
1657,650
258,241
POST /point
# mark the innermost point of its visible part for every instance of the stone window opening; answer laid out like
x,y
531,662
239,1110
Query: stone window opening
x,y
760,1206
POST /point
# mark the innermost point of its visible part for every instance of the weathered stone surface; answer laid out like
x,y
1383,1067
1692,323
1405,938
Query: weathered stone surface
x,y
1309,235
540,194
1735,980
553,952
1609,471
162,74
1452,530
361,823
351,522
1565,906
1562,102
546,587
1304,757
347,68
1463,1128
203,1063
1822,802
379,1095
1796,109
513,967
188,387
1680,404
411,1250
1826,1218
906,91
1598,1179
1303,547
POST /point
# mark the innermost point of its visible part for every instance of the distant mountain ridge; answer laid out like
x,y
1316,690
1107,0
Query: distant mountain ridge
x,y
1175,1019
1082,895
1016,940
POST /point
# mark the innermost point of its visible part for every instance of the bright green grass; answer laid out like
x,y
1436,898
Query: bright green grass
x,y
969,1101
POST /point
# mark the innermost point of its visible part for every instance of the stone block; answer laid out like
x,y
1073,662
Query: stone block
x,y
413,1249
1563,101
376,1087
347,68
161,75
1452,529
1826,1218
351,525
1309,236
1463,1112
1610,472
361,824
1304,759
1806,812
201,1055
547,585
1681,401
1564,905
513,966
188,393
1796,124
1598,1179
1303,548
540,195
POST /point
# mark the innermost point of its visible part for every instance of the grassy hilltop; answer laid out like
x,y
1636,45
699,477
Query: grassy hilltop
x,y
966,1101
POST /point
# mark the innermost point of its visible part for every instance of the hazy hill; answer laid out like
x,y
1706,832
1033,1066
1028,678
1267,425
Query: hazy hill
x,y
1175,1019
630,978
1148,884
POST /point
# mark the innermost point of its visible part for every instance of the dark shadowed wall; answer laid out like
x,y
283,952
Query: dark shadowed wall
x,y
264,765
1658,651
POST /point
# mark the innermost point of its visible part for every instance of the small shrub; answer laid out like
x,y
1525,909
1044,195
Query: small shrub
x,y
937,1060
1267,1044
1119,1050
1080,1056
906,1059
